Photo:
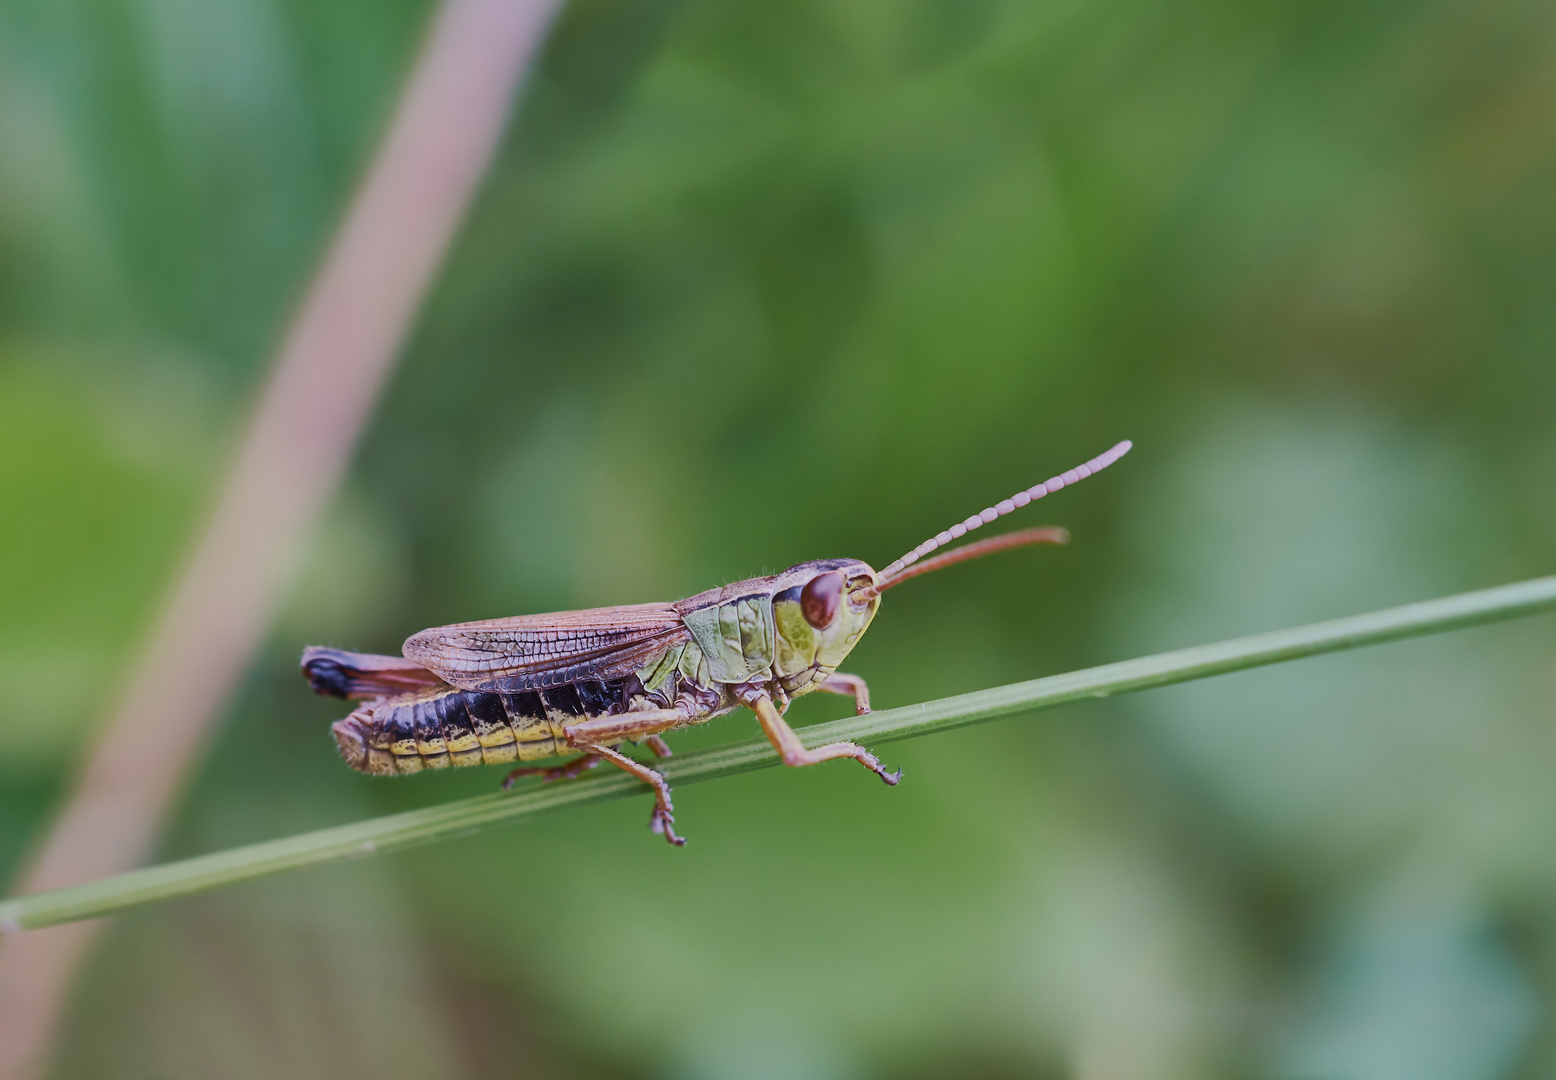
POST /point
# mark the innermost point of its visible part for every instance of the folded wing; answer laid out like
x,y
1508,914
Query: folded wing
x,y
532,652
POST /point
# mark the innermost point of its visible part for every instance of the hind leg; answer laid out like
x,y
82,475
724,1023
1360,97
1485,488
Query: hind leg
x,y
547,773
631,726
364,676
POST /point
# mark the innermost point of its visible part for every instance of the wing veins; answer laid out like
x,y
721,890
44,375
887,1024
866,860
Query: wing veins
x,y
537,651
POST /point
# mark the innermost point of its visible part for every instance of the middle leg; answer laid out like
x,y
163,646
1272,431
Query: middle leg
x,y
664,813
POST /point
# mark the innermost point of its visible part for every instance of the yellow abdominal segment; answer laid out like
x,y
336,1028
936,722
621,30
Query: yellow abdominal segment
x,y
436,729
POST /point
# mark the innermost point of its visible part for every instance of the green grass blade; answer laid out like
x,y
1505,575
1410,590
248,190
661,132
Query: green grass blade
x,y
467,816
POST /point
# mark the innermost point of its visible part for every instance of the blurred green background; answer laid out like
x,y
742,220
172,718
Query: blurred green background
x,y
753,283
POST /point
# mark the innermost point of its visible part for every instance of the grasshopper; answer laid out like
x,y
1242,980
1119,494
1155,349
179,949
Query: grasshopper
x,y
534,687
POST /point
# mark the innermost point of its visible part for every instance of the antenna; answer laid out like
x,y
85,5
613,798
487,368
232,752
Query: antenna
x,y
1047,534
894,573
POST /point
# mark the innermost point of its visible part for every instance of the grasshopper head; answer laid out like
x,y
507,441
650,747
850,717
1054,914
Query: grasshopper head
x,y
826,607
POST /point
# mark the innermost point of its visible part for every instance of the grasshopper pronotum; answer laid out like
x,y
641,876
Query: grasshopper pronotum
x,y
543,686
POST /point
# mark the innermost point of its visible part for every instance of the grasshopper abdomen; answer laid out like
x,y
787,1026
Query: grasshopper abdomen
x,y
441,726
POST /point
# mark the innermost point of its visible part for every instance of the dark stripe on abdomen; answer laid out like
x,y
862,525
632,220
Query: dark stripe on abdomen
x,y
600,698
466,727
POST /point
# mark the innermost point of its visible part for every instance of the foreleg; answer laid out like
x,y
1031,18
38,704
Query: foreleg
x,y
849,686
794,753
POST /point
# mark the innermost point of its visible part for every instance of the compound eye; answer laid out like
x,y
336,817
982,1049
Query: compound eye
x,y
821,598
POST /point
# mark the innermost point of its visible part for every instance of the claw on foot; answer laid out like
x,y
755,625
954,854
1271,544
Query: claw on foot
x,y
872,763
661,823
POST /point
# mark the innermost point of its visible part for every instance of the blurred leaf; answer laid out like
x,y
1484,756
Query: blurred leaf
x,y
100,480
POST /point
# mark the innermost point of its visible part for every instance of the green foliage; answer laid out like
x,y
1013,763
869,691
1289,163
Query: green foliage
x,y
105,490
755,283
